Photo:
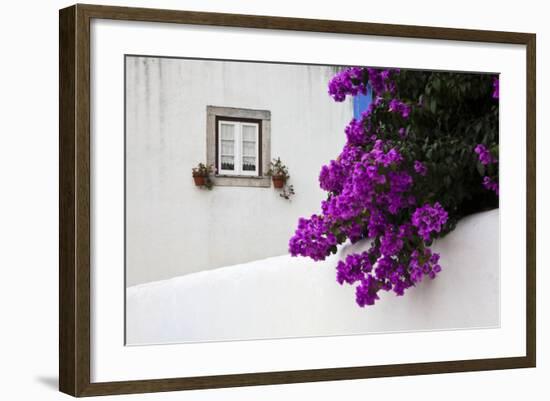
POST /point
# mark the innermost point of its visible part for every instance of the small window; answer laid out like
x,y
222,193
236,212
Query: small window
x,y
238,144
238,147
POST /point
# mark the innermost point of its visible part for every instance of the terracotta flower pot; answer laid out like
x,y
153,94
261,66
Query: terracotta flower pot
x,y
200,180
278,181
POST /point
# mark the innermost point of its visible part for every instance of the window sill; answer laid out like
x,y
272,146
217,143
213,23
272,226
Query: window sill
x,y
241,181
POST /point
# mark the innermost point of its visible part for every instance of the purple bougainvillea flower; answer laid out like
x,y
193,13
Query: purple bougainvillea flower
x,y
371,194
420,168
355,132
332,177
312,238
348,82
486,158
353,269
484,154
429,219
490,184
367,292
397,106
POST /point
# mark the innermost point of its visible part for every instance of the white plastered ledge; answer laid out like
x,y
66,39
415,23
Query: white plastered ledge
x,y
295,297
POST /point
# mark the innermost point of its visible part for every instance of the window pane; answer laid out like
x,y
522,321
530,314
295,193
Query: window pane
x,y
227,131
249,149
227,163
228,148
249,133
249,163
249,141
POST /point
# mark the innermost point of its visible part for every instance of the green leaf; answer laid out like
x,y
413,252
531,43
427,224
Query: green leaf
x,y
480,168
433,105
436,83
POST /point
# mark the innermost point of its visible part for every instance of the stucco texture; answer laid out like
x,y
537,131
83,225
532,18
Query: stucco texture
x,y
174,228
296,297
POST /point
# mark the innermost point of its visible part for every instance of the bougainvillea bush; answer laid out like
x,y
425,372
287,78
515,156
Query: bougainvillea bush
x,y
423,155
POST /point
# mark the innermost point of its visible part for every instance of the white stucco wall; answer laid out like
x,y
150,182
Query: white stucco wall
x,y
172,227
297,297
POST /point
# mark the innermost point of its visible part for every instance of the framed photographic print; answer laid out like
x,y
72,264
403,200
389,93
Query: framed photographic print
x,y
250,200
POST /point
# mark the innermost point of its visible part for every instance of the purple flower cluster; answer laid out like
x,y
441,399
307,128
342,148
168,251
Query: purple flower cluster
x,y
372,183
486,158
420,168
355,132
355,80
424,263
366,293
313,238
484,155
354,268
381,80
381,267
332,177
367,188
429,219
491,184
348,82
370,187
397,106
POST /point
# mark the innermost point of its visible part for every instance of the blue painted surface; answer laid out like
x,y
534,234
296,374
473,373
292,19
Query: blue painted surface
x,y
361,103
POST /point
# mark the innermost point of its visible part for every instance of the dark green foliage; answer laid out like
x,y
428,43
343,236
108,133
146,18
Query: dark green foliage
x,y
451,114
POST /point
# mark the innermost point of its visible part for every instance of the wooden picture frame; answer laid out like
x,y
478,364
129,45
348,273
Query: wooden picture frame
x,y
74,199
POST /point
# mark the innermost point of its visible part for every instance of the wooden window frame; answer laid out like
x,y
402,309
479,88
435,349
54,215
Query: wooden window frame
x,y
238,148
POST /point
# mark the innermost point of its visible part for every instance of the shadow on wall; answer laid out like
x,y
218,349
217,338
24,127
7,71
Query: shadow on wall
x,y
50,382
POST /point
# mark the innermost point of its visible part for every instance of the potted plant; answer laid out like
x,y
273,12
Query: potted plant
x,y
278,172
201,175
